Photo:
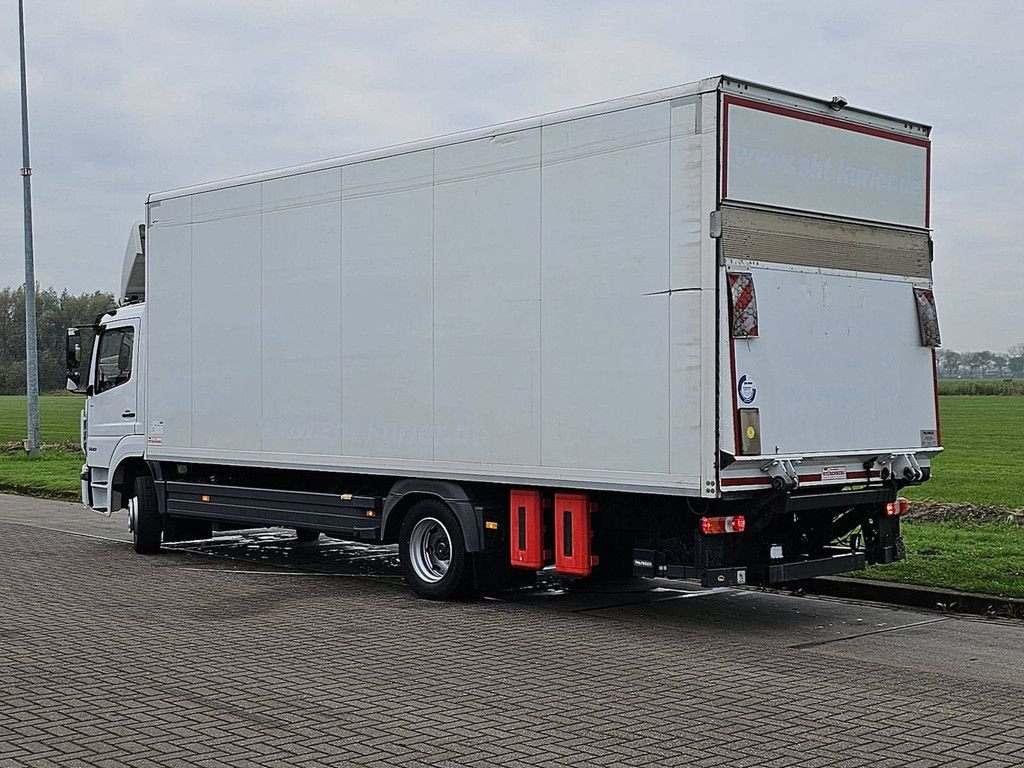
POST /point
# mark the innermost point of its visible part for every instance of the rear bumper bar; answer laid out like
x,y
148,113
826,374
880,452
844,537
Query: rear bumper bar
x,y
651,563
807,569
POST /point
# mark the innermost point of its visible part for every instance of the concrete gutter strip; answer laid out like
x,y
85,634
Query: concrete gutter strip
x,y
916,596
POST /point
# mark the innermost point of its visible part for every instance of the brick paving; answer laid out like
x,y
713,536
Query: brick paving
x,y
110,659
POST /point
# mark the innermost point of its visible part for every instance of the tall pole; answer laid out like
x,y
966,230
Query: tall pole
x,y
31,345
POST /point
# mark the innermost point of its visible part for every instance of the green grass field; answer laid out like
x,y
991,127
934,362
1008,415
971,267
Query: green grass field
x,y
58,418
982,462
55,473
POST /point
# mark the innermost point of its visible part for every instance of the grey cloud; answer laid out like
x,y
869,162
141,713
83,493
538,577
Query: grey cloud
x,y
134,97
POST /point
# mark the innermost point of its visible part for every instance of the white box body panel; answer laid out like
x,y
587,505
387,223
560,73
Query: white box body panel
x,y
838,366
521,305
798,163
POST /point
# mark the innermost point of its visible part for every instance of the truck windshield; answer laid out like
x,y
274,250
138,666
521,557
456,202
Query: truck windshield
x,y
114,358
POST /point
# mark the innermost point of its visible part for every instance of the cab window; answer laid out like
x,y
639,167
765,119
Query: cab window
x,y
114,358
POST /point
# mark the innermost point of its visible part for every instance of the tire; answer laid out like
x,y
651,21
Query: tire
x,y
146,523
307,535
432,552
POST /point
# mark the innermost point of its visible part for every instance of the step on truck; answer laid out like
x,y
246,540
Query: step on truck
x,y
688,333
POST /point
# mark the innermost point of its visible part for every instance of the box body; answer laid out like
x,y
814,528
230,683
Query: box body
x,y
528,304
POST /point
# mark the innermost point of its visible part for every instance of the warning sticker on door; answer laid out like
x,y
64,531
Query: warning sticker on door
x,y
156,433
746,389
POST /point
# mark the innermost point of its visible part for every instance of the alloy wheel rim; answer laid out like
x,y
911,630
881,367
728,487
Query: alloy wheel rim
x,y
430,550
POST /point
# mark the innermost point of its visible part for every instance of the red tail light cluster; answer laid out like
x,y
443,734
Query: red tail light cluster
x,y
731,524
899,507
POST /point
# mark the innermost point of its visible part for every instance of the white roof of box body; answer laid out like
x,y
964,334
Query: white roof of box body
x,y
725,83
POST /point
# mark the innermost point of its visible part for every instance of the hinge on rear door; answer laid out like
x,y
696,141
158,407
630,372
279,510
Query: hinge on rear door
x,y
897,466
783,473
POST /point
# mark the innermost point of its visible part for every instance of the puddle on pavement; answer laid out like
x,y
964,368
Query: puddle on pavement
x,y
281,549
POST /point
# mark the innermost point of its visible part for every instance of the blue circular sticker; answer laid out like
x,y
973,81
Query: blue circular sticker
x,y
746,389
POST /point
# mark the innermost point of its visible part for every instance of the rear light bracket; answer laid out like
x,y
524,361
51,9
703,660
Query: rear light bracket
x,y
783,473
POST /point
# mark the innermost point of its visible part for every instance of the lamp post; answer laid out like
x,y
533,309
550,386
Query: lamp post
x,y
31,346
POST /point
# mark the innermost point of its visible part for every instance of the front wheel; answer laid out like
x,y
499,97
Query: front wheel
x,y
144,517
433,554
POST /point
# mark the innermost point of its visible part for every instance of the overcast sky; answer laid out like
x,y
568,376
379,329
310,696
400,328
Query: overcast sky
x,y
129,97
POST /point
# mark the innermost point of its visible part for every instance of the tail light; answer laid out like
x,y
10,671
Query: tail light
x,y
899,507
927,317
742,305
731,524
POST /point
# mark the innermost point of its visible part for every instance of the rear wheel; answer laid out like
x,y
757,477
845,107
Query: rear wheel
x,y
433,554
144,517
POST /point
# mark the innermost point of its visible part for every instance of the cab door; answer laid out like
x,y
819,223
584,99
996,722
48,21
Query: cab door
x,y
113,410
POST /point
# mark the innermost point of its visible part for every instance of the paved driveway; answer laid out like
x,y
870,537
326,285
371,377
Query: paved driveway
x,y
253,651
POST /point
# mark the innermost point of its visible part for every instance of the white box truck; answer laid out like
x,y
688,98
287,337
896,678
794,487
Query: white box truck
x,y
688,333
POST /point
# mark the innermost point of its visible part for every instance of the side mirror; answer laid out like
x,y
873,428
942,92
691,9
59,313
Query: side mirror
x,y
73,358
73,348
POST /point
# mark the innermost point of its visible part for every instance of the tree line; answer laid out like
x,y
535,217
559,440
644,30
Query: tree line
x,y
981,365
55,313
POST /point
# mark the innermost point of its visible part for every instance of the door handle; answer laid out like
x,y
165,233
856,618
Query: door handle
x,y
128,415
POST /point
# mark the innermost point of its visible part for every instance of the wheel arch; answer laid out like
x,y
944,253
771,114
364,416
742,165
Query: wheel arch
x,y
406,493
122,479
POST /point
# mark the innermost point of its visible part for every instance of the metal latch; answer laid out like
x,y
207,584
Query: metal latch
x,y
783,473
716,224
900,465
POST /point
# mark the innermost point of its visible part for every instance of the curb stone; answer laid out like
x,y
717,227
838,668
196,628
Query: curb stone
x,y
915,596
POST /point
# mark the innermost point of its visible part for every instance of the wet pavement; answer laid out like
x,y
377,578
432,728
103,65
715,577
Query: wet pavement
x,y
253,649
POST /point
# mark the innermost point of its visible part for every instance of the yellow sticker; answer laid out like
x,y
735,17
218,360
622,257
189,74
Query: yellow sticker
x,y
750,433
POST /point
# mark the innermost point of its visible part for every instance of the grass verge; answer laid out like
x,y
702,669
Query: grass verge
x,y
53,475
986,558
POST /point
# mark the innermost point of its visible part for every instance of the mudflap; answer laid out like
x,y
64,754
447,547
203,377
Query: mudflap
x,y
492,568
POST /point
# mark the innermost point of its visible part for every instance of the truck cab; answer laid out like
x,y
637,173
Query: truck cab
x,y
113,435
